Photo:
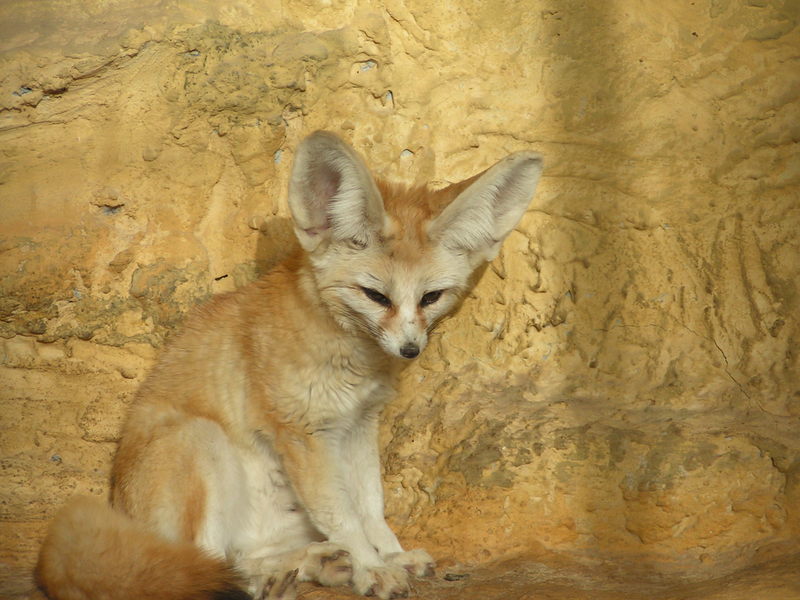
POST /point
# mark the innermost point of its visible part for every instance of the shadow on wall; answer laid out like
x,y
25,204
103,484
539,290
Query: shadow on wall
x,y
276,242
665,467
594,443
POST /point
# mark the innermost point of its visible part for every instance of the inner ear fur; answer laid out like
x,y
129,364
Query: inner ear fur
x,y
489,207
332,195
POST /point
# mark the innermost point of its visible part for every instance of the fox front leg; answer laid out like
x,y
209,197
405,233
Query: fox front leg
x,y
315,464
364,476
360,448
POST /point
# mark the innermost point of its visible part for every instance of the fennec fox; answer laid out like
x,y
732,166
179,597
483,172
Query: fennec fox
x,y
249,459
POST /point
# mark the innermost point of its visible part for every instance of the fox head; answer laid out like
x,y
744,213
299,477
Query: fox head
x,y
390,262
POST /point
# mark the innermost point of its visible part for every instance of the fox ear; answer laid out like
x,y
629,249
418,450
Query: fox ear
x,y
484,213
332,195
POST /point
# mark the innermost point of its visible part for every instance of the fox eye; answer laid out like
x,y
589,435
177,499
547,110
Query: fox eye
x,y
376,297
430,298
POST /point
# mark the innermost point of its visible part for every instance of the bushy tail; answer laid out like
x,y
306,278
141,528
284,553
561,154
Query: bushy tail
x,y
93,552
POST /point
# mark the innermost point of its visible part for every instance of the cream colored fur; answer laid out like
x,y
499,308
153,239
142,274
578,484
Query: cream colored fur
x,y
254,439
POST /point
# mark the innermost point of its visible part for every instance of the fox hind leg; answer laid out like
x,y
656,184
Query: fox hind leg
x,y
279,587
274,577
326,563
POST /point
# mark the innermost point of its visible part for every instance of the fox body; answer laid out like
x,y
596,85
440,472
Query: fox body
x,y
249,459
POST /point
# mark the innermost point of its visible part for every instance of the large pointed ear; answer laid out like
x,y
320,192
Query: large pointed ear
x,y
332,195
483,214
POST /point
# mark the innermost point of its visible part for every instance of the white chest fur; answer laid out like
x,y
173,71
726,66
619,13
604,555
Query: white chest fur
x,y
338,386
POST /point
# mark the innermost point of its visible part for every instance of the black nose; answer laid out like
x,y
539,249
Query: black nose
x,y
409,351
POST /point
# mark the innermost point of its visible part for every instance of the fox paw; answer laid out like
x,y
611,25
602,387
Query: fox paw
x,y
417,562
385,582
327,564
280,587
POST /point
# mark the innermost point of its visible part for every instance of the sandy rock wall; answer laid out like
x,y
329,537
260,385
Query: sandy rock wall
x,y
623,380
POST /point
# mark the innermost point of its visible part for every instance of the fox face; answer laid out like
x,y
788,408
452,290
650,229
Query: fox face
x,y
391,262
393,290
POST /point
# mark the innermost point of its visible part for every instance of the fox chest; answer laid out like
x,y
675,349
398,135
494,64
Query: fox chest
x,y
326,394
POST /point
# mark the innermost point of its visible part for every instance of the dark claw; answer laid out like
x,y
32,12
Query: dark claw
x,y
336,555
267,588
287,582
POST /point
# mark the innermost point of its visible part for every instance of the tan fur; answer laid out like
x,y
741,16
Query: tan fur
x,y
119,560
413,207
255,435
